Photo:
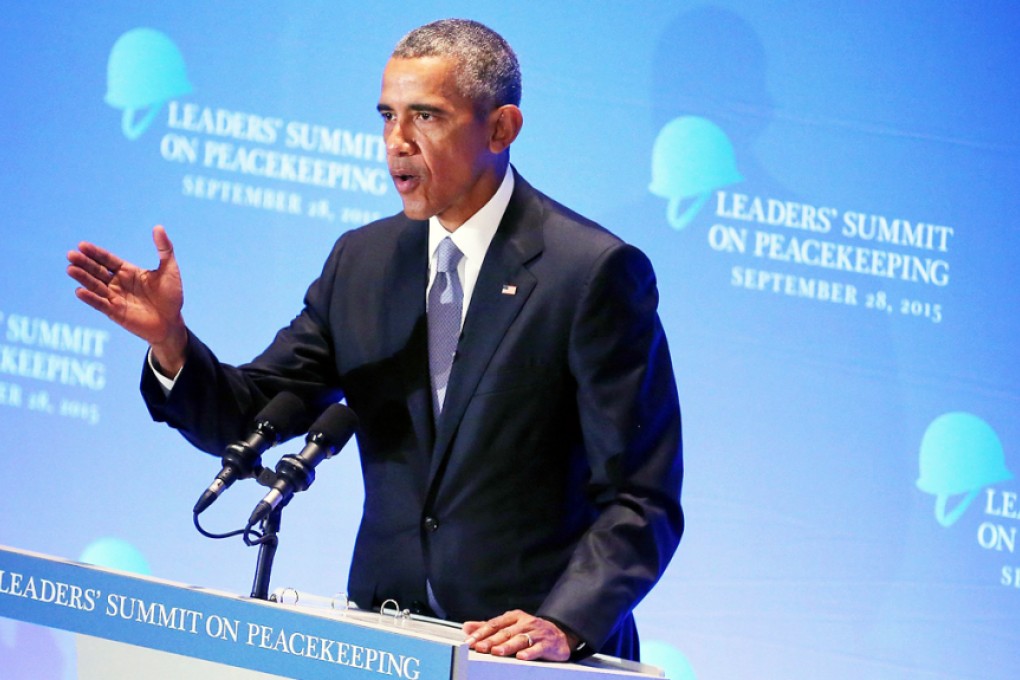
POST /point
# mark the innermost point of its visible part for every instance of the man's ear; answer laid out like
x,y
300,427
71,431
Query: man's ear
x,y
506,123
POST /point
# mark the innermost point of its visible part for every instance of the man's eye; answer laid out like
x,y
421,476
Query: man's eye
x,y
424,115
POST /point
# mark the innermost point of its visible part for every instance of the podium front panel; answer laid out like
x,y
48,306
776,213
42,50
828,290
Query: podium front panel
x,y
216,627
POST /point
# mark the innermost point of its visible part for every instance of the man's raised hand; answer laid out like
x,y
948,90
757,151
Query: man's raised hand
x,y
145,302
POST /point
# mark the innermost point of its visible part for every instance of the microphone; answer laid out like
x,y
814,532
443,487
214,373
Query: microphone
x,y
274,423
326,437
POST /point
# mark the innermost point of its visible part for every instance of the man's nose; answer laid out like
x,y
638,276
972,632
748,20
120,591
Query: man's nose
x,y
397,143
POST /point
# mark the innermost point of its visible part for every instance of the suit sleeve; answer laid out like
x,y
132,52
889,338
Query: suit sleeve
x,y
213,404
630,421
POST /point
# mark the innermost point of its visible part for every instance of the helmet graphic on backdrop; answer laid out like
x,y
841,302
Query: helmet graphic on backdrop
x,y
668,658
960,454
115,553
145,70
691,158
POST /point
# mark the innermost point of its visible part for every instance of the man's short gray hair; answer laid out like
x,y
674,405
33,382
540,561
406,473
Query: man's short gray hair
x,y
489,73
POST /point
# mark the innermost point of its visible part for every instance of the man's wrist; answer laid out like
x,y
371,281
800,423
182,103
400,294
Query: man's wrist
x,y
578,647
168,357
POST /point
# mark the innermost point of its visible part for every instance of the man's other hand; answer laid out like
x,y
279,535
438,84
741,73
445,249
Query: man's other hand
x,y
520,634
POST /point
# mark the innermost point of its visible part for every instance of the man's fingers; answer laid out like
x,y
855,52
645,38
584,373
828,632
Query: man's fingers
x,y
484,636
514,643
97,302
164,247
100,256
535,647
522,635
495,643
546,650
532,645
492,629
507,619
87,280
81,267
545,642
517,633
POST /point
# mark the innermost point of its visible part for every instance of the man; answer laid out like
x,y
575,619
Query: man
x,y
524,476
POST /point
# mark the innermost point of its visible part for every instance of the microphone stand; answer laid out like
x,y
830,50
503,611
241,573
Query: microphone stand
x,y
328,434
270,527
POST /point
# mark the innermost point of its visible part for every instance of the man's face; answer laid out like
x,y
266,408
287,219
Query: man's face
x,y
437,145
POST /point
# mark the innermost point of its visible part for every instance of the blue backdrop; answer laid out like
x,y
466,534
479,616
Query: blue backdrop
x,y
827,191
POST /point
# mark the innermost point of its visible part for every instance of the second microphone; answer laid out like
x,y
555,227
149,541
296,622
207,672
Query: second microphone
x,y
294,473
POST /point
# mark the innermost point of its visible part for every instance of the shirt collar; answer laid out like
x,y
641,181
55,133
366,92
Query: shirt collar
x,y
474,236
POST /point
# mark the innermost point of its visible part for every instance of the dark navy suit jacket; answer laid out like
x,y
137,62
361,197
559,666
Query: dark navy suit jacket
x,y
551,482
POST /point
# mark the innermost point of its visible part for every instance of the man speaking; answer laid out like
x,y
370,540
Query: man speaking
x,y
519,423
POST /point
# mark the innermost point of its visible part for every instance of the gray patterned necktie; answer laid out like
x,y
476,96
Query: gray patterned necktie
x,y
446,301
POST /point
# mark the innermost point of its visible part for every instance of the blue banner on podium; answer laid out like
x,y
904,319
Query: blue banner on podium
x,y
225,629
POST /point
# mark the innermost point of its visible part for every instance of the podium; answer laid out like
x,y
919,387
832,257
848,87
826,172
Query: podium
x,y
130,626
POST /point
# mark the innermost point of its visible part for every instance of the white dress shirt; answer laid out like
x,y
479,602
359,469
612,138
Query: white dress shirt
x,y
472,239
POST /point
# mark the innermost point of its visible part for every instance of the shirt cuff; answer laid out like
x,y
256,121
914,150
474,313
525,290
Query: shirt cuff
x,y
164,382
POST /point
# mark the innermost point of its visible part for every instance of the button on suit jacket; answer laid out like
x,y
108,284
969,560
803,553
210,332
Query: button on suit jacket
x,y
551,481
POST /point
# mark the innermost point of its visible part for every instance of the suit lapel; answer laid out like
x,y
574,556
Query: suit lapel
x,y
503,286
407,281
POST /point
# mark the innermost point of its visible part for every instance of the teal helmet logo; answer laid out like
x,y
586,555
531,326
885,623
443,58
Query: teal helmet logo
x,y
668,658
115,553
691,158
145,71
960,454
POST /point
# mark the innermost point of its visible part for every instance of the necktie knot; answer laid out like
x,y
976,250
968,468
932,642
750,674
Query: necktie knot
x,y
447,255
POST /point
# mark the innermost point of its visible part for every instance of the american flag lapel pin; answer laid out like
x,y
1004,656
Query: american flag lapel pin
x,y
509,289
